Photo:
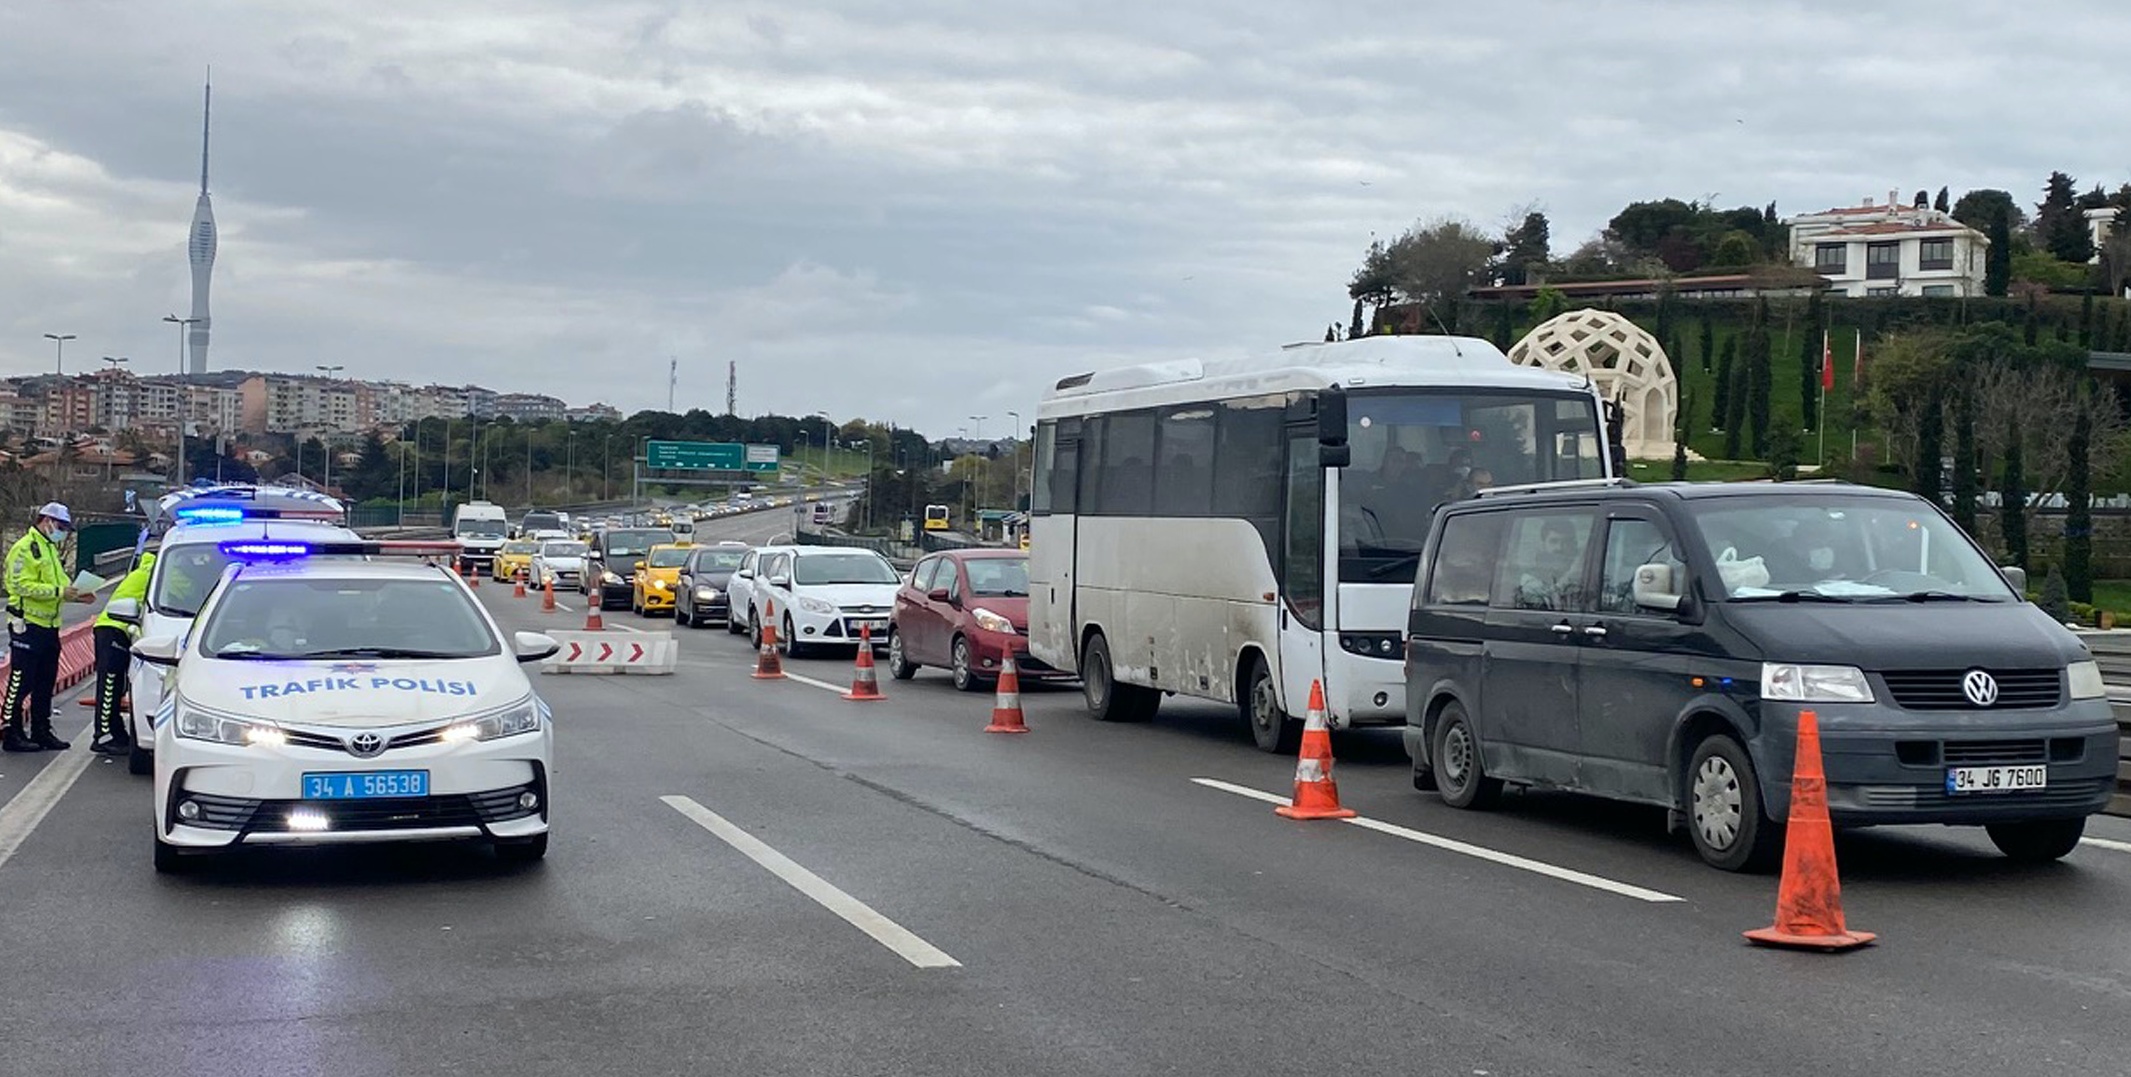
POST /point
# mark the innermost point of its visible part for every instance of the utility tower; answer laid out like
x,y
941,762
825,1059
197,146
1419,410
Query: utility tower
x,y
732,387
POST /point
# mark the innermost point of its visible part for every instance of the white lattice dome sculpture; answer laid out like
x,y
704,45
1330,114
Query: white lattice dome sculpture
x,y
1623,361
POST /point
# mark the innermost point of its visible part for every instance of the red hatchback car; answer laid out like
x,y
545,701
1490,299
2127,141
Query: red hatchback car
x,y
961,610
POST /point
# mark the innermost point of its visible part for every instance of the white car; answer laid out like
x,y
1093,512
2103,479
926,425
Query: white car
x,y
825,595
189,561
741,590
560,561
321,701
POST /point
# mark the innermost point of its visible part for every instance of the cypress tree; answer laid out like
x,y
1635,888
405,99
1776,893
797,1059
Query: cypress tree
x,y
1964,457
2079,518
1354,328
2012,496
2086,322
1709,342
1732,382
1680,433
1941,204
1930,446
1761,379
1504,327
1998,261
2034,321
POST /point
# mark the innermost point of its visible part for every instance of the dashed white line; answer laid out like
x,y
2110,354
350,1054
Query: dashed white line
x,y
2105,843
858,914
29,807
1481,852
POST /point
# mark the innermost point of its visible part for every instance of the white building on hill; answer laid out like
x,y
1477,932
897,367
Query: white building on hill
x,y
1891,249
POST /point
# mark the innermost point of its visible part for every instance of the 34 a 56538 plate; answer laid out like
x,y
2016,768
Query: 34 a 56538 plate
x,y
365,784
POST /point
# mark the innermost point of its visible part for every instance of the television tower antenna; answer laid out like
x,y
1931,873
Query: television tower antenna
x,y
732,387
673,377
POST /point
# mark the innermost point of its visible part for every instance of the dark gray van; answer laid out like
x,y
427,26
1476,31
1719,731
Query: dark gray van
x,y
1657,643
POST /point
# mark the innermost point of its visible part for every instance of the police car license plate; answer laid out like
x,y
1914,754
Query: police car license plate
x,y
1996,779
365,784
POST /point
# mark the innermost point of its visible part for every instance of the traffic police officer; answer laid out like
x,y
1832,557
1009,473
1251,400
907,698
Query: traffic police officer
x,y
114,654
37,586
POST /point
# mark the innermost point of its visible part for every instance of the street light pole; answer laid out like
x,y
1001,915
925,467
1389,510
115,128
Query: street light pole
x,y
1014,443
326,487
59,349
606,470
183,325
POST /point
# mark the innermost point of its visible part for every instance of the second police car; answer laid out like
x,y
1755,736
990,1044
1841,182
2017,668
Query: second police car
x,y
347,692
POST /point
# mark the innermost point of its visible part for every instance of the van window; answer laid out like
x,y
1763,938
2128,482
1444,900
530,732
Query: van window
x,y
1543,562
1631,544
1845,548
1465,559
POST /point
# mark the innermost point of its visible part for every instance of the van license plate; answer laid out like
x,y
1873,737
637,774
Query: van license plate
x,y
1995,779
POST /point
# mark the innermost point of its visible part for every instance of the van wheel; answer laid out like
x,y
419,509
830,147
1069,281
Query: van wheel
x,y
1270,727
2037,841
1730,828
1108,700
1459,773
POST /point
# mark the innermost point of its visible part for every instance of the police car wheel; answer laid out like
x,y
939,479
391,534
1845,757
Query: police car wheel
x,y
526,851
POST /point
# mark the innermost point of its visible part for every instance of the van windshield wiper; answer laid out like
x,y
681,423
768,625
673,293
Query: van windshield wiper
x,y
1793,596
1941,596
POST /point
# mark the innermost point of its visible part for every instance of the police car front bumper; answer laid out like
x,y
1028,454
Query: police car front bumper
x,y
211,795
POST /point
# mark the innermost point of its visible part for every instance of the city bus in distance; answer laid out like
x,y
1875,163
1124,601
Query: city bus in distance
x,y
1238,529
936,518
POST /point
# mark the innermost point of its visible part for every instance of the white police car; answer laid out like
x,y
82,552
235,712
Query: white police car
x,y
321,700
194,523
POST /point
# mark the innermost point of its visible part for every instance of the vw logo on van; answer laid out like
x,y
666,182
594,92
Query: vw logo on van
x,y
365,745
1981,688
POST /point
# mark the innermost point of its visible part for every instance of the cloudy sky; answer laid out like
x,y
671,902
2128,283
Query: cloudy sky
x,y
923,211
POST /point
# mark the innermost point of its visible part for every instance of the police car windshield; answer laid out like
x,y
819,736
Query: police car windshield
x,y
843,568
185,574
296,617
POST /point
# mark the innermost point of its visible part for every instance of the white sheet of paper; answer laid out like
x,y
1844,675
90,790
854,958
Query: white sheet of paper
x,y
90,582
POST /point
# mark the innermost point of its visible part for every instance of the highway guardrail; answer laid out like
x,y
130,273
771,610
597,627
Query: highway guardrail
x,y
2112,651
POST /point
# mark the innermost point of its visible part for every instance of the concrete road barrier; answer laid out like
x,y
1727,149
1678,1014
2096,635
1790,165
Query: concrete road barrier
x,y
613,652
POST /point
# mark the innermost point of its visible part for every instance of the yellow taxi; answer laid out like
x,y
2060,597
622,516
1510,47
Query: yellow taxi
x,y
657,575
515,557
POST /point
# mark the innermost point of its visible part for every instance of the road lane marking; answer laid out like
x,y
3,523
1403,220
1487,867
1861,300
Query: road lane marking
x,y
2105,843
20,816
626,628
1453,845
857,913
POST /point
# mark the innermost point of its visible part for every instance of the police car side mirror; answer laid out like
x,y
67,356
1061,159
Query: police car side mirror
x,y
534,646
124,610
157,650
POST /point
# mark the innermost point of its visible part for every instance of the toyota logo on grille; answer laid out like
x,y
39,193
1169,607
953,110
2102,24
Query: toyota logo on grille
x,y
1981,688
365,745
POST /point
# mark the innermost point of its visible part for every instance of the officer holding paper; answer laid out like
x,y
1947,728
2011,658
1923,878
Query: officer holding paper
x,y
37,589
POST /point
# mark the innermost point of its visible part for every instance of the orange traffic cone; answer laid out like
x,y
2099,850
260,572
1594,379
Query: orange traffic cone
x,y
547,595
1809,899
768,667
1006,709
1316,796
593,621
518,584
865,685
473,578
89,700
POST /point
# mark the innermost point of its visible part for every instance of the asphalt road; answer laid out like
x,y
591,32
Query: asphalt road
x,y
937,900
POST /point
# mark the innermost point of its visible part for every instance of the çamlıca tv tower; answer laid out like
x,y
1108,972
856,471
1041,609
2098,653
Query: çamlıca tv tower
x,y
201,248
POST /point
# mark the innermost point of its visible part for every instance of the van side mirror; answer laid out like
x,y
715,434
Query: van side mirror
x,y
2016,577
124,610
1654,589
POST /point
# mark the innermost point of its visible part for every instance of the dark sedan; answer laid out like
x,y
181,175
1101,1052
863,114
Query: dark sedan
x,y
699,597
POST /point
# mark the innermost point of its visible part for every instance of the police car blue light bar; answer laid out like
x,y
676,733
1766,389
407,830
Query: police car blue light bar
x,y
270,550
265,551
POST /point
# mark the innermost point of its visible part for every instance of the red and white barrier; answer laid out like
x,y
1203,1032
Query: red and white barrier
x,y
77,656
613,652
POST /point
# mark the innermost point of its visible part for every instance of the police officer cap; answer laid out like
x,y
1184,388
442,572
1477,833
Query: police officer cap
x,y
58,512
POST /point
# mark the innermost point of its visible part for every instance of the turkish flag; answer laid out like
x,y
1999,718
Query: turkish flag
x,y
1827,363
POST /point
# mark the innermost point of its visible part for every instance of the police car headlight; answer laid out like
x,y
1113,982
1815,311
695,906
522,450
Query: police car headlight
x,y
521,717
195,724
815,605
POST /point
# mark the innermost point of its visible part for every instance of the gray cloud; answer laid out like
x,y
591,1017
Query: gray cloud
x,y
919,212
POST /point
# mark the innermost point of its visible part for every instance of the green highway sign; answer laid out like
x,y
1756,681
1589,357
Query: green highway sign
x,y
709,456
